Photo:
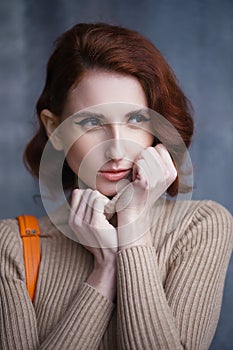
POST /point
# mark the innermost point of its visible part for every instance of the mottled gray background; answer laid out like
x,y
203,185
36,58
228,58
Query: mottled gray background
x,y
196,37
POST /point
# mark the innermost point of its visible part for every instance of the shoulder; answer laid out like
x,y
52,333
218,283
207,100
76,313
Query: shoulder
x,y
214,221
9,232
11,249
190,213
205,223
212,214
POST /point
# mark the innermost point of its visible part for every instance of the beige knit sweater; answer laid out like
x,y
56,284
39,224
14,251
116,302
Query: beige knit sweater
x,y
168,295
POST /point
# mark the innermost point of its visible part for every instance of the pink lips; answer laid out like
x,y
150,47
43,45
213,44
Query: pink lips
x,y
115,175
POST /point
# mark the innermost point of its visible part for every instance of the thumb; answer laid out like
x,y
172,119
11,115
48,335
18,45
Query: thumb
x,y
112,206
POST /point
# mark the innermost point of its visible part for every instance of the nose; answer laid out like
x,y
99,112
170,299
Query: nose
x,y
116,146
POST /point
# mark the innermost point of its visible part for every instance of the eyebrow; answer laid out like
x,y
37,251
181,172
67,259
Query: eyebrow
x,y
86,114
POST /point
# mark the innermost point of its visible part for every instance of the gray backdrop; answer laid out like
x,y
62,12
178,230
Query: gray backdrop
x,y
196,37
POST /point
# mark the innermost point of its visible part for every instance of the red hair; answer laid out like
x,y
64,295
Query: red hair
x,y
114,49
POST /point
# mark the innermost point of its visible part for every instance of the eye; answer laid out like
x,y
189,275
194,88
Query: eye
x,y
137,118
90,122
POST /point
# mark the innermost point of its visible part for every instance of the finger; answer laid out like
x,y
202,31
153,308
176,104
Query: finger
x,y
154,166
167,159
95,205
160,165
75,200
107,236
85,208
164,161
163,152
99,205
110,206
142,172
135,167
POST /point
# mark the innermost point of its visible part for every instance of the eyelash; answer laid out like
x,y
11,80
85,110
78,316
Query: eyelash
x,y
85,121
143,118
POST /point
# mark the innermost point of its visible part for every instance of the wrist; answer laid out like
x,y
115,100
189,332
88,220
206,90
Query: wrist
x,y
132,236
103,279
104,262
126,217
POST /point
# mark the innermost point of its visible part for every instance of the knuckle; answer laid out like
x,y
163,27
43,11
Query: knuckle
x,y
96,194
77,220
173,175
95,223
79,191
160,146
73,224
76,192
150,149
87,192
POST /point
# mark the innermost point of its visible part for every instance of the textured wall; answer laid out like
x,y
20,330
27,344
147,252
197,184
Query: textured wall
x,y
196,37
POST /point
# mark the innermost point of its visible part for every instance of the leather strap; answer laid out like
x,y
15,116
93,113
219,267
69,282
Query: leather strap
x,y
30,233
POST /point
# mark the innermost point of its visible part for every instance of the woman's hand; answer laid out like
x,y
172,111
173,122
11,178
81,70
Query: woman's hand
x,y
97,235
89,223
153,173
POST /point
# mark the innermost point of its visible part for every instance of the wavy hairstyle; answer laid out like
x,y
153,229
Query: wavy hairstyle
x,y
114,49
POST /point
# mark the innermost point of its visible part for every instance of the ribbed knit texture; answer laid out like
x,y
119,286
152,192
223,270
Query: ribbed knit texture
x,y
168,295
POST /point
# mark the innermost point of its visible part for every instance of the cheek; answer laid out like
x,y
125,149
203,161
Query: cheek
x,y
78,151
82,164
149,140
83,158
144,139
74,157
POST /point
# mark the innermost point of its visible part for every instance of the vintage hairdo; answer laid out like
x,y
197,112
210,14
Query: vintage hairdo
x,y
114,49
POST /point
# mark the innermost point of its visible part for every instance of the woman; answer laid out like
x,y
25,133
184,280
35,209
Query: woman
x,y
129,281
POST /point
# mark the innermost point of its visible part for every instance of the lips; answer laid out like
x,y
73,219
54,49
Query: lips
x,y
114,175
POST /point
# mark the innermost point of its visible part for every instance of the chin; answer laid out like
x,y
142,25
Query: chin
x,y
108,192
110,189
106,188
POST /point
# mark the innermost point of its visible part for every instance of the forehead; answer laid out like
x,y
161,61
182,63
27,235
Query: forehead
x,y
100,87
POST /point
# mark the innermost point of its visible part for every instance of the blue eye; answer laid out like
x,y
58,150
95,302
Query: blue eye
x,y
90,122
137,118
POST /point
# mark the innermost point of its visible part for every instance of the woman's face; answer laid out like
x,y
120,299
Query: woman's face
x,y
107,130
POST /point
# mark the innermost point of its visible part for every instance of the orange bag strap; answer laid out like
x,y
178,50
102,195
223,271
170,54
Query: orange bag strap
x,y
30,234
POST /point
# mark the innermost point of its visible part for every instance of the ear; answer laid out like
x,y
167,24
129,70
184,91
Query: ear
x,y
51,123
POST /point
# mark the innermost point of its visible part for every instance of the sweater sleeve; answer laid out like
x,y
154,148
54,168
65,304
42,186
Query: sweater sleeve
x,y
82,326
182,312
